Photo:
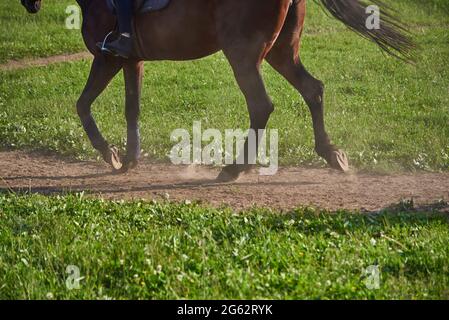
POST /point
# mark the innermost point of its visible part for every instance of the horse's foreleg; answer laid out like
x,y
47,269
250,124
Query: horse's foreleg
x,y
101,73
133,71
311,90
259,106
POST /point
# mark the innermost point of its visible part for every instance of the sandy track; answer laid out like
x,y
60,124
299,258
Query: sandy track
x,y
41,62
291,187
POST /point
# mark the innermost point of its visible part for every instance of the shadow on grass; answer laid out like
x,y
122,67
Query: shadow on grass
x,y
328,228
405,206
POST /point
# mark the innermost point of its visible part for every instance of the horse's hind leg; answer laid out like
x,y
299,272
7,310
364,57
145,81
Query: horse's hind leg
x,y
312,91
102,71
284,57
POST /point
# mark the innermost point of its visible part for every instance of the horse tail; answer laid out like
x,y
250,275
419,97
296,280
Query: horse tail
x,y
390,34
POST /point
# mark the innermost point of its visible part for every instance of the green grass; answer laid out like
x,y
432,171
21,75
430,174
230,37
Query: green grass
x,y
24,35
158,250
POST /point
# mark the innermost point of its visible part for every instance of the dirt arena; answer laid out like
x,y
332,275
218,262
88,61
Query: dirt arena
x,y
291,187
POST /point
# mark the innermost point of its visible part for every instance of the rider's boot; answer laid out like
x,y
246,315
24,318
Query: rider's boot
x,y
121,47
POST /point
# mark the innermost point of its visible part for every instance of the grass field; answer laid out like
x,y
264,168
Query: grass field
x,y
389,116
157,250
36,35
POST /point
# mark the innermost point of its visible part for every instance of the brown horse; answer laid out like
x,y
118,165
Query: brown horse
x,y
248,32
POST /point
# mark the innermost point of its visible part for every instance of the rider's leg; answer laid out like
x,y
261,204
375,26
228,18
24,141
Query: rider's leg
x,y
125,12
123,45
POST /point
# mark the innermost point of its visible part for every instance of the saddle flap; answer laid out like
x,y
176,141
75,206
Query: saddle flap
x,y
143,6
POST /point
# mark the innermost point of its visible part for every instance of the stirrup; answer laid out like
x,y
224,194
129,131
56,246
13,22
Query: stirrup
x,y
102,45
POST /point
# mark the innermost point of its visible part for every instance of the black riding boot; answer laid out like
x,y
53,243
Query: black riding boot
x,y
123,46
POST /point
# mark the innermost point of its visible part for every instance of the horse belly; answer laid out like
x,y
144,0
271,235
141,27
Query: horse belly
x,y
183,31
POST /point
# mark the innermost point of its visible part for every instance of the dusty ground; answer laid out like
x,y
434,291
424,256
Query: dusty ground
x,y
40,62
291,187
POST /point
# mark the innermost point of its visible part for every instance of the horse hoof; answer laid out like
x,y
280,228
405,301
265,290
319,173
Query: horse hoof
x,y
132,164
112,157
128,165
232,172
228,174
339,160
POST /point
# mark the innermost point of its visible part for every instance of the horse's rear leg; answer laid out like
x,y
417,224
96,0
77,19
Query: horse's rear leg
x,y
102,71
283,59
